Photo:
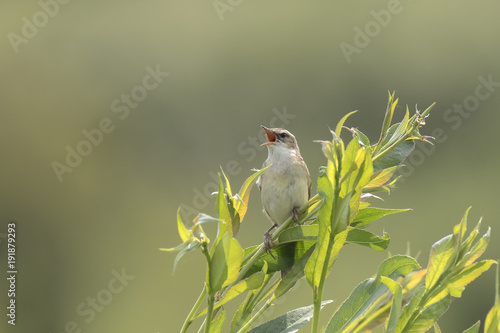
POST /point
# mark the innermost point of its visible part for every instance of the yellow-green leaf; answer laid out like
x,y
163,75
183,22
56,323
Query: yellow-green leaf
x,y
389,113
228,185
244,193
368,291
184,233
397,302
459,229
366,238
426,319
367,215
216,326
381,177
253,282
455,284
492,322
478,249
474,328
338,129
440,259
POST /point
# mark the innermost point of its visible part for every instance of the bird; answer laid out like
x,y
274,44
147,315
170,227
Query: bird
x,y
286,185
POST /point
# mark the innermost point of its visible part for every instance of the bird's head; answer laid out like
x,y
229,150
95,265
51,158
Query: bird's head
x,y
279,138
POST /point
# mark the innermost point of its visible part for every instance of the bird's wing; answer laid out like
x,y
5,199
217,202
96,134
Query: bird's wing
x,y
308,179
309,189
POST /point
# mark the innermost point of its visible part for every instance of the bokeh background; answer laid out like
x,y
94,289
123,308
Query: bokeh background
x,y
233,65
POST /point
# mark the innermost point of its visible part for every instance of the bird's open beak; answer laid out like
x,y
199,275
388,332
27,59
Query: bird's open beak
x,y
271,137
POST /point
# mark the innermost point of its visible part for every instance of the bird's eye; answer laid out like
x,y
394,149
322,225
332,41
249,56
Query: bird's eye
x,y
283,135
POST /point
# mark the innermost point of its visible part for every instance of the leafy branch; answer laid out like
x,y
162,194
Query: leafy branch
x,y
402,296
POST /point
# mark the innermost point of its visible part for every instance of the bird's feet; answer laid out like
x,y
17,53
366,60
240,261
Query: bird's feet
x,y
268,242
295,215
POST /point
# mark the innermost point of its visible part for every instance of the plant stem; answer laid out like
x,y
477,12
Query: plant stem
x,y
210,309
316,309
195,308
333,225
318,291
210,293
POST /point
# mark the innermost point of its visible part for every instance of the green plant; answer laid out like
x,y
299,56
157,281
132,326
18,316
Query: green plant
x,y
402,296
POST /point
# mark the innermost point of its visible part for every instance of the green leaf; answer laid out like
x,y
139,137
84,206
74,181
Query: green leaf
x,y
396,156
477,250
204,218
365,238
409,310
255,281
244,193
315,265
277,263
338,243
228,185
235,217
216,326
385,141
242,315
363,139
402,128
368,291
426,319
327,149
365,170
349,164
389,113
225,263
299,233
223,212
354,236
368,215
397,302
183,249
289,322
461,279
381,177
254,297
296,273
474,328
437,329
467,244
397,266
338,129
455,284
440,259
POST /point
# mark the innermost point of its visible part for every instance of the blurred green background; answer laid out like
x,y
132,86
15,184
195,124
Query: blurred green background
x,y
230,69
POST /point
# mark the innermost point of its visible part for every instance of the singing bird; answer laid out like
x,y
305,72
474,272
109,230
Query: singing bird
x,y
286,185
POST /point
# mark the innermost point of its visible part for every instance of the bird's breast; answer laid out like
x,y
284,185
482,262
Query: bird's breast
x,y
282,190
